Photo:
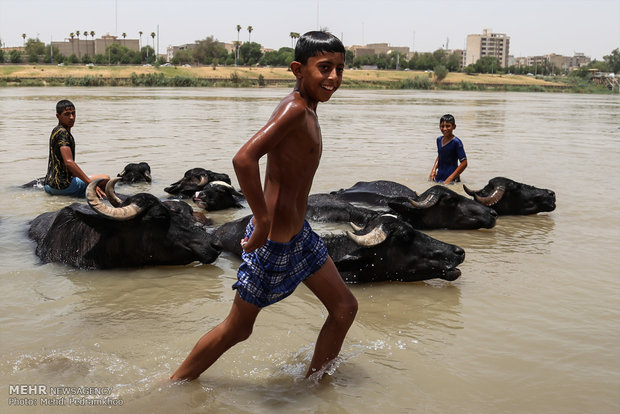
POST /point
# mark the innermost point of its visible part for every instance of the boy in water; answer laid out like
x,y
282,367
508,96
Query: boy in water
x,y
451,160
64,176
280,250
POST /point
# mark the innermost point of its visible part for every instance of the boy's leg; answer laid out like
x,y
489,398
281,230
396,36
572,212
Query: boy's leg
x,y
328,286
235,328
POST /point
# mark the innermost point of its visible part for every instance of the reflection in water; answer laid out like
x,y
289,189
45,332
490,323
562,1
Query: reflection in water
x,y
512,234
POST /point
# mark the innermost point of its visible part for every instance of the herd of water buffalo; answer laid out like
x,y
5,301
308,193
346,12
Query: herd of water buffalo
x,y
384,244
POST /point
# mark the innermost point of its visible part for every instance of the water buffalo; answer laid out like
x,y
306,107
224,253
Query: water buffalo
x,y
218,195
194,180
386,249
375,193
140,231
508,197
37,183
136,172
332,208
441,208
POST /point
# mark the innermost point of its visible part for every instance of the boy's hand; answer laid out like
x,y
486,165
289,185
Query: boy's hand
x,y
257,239
100,193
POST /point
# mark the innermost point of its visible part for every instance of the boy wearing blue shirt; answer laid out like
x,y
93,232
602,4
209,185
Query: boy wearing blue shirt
x,y
451,159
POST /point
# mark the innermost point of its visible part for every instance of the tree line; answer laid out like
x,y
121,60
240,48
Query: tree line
x,y
210,51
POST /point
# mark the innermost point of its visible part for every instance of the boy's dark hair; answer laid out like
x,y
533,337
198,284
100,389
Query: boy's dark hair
x,y
447,118
312,43
61,105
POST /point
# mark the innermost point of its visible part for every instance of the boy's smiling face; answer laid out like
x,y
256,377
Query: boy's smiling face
x,y
321,76
447,129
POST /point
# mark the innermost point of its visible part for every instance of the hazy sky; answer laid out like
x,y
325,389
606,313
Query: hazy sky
x,y
535,27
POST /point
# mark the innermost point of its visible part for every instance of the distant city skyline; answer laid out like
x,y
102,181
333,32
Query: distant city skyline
x,y
534,27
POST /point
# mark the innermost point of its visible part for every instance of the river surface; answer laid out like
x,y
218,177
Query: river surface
x,y
531,326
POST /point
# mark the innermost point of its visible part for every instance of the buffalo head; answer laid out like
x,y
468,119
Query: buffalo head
x,y
390,249
136,172
218,195
194,180
508,197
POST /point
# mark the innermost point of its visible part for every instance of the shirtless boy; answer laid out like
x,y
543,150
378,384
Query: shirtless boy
x,y
280,248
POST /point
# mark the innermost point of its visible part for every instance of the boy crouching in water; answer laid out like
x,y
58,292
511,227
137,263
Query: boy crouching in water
x,y
280,250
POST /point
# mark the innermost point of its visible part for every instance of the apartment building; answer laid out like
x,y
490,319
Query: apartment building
x,y
487,44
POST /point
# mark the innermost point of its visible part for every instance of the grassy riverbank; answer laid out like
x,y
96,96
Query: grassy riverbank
x,y
79,75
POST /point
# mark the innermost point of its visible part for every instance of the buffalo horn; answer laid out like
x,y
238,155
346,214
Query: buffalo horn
x,y
115,213
468,191
429,201
355,226
109,191
225,184
203,181
375,237
497,195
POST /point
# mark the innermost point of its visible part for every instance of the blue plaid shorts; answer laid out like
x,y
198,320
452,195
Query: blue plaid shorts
x,y
273,271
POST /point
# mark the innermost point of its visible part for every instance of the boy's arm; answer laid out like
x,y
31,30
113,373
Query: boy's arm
x,y
457,172
246,166
67,158
433,173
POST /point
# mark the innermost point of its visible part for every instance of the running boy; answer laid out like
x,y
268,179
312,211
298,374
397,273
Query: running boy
x,y
64,176
280,248
451,160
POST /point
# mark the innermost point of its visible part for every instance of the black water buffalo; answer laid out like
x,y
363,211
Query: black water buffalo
x,y
386,249
441,208
508,197
194,180
218,195
140,231
436,208
136,172
375,192
332,208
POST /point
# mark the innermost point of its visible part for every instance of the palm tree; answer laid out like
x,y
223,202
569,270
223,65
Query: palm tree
x,y
72,35
237,45
85,33
294,35
140,45
250,28
92,35
24,37
124,36
155,55
77,33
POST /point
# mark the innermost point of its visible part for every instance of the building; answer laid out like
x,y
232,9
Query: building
x,y
81,47
487,44
378,49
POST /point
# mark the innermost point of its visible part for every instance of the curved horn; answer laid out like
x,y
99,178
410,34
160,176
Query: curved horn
x,y
355,226
109,191
115,213
468,191
429,201
497,195
375,237
203,181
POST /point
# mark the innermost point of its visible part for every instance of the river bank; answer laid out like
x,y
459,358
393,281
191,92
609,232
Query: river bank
x,y
179,76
